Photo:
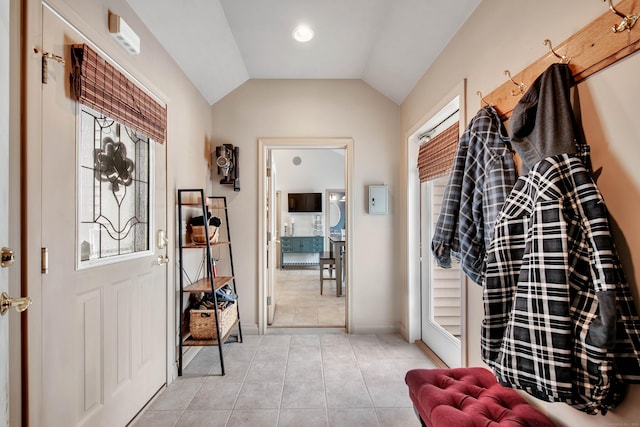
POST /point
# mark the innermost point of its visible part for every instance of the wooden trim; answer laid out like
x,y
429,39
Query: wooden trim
x,y
591,49
431,355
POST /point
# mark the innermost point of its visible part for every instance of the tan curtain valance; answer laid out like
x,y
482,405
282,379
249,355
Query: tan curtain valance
x,y
99,85
435,158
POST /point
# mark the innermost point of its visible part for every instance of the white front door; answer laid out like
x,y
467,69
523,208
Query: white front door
x,y
103,323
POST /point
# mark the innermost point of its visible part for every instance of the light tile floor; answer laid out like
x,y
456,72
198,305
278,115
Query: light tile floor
x,y
299,303
294,378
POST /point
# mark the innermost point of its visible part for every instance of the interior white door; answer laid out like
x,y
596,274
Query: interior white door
x,y
272,247
103,328
4,204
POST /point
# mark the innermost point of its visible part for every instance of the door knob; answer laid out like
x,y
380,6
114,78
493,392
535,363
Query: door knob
x,y
20,304
163,259
7,257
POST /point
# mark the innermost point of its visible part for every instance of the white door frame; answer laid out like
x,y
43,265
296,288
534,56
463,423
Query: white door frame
x,y
265,144
413,261
273,216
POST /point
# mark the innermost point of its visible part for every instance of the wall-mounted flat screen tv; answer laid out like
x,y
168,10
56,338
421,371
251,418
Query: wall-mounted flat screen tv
x,y
305,202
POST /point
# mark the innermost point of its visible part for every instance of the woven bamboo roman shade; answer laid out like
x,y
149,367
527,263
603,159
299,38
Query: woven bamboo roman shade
x,y
435,158
99,85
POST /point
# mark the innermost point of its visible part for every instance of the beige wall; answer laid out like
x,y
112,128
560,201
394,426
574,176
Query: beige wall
x,y
189,120
508,34
318,108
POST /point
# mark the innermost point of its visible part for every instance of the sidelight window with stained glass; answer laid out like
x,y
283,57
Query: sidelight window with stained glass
x,y
114,190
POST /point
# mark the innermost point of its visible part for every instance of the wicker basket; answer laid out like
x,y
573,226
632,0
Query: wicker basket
x,y
197,234
202,323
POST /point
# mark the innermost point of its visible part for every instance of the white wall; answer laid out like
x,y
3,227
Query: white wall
x,y
319,170
307,109
508,34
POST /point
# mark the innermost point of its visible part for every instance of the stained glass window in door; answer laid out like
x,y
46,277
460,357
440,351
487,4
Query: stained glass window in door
x,y
113,196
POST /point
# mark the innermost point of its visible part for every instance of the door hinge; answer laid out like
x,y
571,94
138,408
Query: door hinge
x,y
44,261
268,172
8,258
268,300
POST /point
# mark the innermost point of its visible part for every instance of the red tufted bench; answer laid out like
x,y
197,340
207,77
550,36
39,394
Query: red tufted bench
x,y
469,397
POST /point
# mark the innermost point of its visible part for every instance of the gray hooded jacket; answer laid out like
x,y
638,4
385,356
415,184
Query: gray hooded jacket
x,y
543,123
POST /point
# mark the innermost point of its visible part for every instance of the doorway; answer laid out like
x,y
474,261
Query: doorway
x,y
441,292
291,277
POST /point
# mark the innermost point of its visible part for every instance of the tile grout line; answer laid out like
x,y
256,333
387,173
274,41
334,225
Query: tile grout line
x,y
363,349
182,412
244,379
298,293
284,377
324,382
373,405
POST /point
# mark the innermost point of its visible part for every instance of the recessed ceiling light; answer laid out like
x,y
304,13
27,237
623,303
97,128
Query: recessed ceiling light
x,y
302,33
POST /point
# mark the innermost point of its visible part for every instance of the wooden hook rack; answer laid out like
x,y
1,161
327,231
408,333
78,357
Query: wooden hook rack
x,y
591,49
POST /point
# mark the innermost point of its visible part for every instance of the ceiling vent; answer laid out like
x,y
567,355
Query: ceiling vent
x,y
123,34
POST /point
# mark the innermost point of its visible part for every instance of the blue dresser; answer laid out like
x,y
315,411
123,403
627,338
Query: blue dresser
x,y
300,251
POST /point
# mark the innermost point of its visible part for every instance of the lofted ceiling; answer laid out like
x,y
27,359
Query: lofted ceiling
x,y
220,44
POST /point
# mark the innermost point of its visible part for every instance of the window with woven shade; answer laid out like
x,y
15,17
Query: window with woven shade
x,y
118,122
435,158
101,86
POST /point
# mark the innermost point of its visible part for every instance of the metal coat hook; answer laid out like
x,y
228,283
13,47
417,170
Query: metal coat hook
x,y
521,85
628,21
563,58
482,98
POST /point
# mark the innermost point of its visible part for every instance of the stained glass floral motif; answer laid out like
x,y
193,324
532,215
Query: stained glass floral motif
x,y
113,189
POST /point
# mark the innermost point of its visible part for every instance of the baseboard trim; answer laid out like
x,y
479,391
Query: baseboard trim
x,y
430,354
304,331
376,331
251,329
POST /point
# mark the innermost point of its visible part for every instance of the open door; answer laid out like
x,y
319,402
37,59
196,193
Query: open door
x,y
272,247
440,291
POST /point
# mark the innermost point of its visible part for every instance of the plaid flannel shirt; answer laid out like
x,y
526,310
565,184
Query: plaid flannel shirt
x,y
483,174
560,322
